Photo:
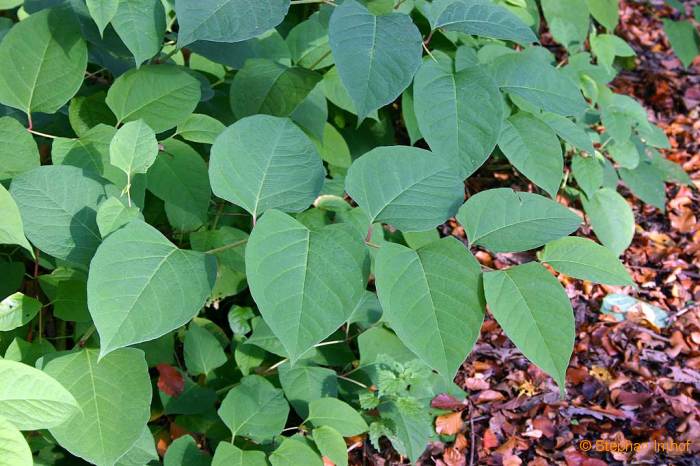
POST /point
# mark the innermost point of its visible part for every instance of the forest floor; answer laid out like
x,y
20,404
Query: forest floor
x,y
634,378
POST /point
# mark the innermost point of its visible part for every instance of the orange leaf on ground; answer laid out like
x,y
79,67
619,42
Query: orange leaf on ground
x,y
170,380
449,424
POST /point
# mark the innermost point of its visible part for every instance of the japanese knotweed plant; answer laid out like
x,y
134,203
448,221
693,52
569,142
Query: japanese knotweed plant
x,y
223,214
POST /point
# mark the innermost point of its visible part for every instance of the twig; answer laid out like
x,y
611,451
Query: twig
x,y
86,336
37,133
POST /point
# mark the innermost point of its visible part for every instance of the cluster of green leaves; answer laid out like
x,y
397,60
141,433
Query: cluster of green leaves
x,y
207,219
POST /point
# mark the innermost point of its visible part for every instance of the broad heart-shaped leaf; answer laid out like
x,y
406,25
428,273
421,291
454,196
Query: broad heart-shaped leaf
x,y
18,151
11,228
588,173
265,86
134,148
31,399
612,219
409,188
480,18
227,20
432,298
14,449
336,414
102,11
160,95
306,283
534,149
200,128
534,311
179,177
606,12
43,61
58,205
294,452
445,107
331,445
376,56
586,260
303,384
141,286
503,220
568,21
203,352
568,131
281,170
529,76
17,310
184,451
114,397
684,39
255,409
141,25
647,183
229,455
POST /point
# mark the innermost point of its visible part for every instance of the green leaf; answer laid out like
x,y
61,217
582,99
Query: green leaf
x,y
306,283
58,205
331,445
588,173
141,286
142,452
606,12
224,238
88,112
102,12
333,148
269,44
141,25
303,384
308,44
11,229
432,299
200,128
294,452
336,93
534,311
254,409
444,104
533,148
684,39
337,414
503,220
586,260
376,56
568,21
134,148
408,114
228,20
114,397
229,455
179,177
18,151
624,153
112,214
568,131
33,400
480,18
161,95
44,59
14,449
412,428
185,452
264,86
203,352
647,183
409,188
243,163
611,218
527,75
607,46
17,310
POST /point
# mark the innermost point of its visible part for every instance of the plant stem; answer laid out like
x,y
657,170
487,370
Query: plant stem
x,y
86,336
227,247
321,58
306,2
348,379
275,366
37,133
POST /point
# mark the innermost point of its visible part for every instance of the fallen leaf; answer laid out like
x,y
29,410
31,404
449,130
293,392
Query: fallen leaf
x,y
170,380
449,424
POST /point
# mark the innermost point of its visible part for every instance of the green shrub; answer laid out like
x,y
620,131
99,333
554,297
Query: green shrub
x,y
212,214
